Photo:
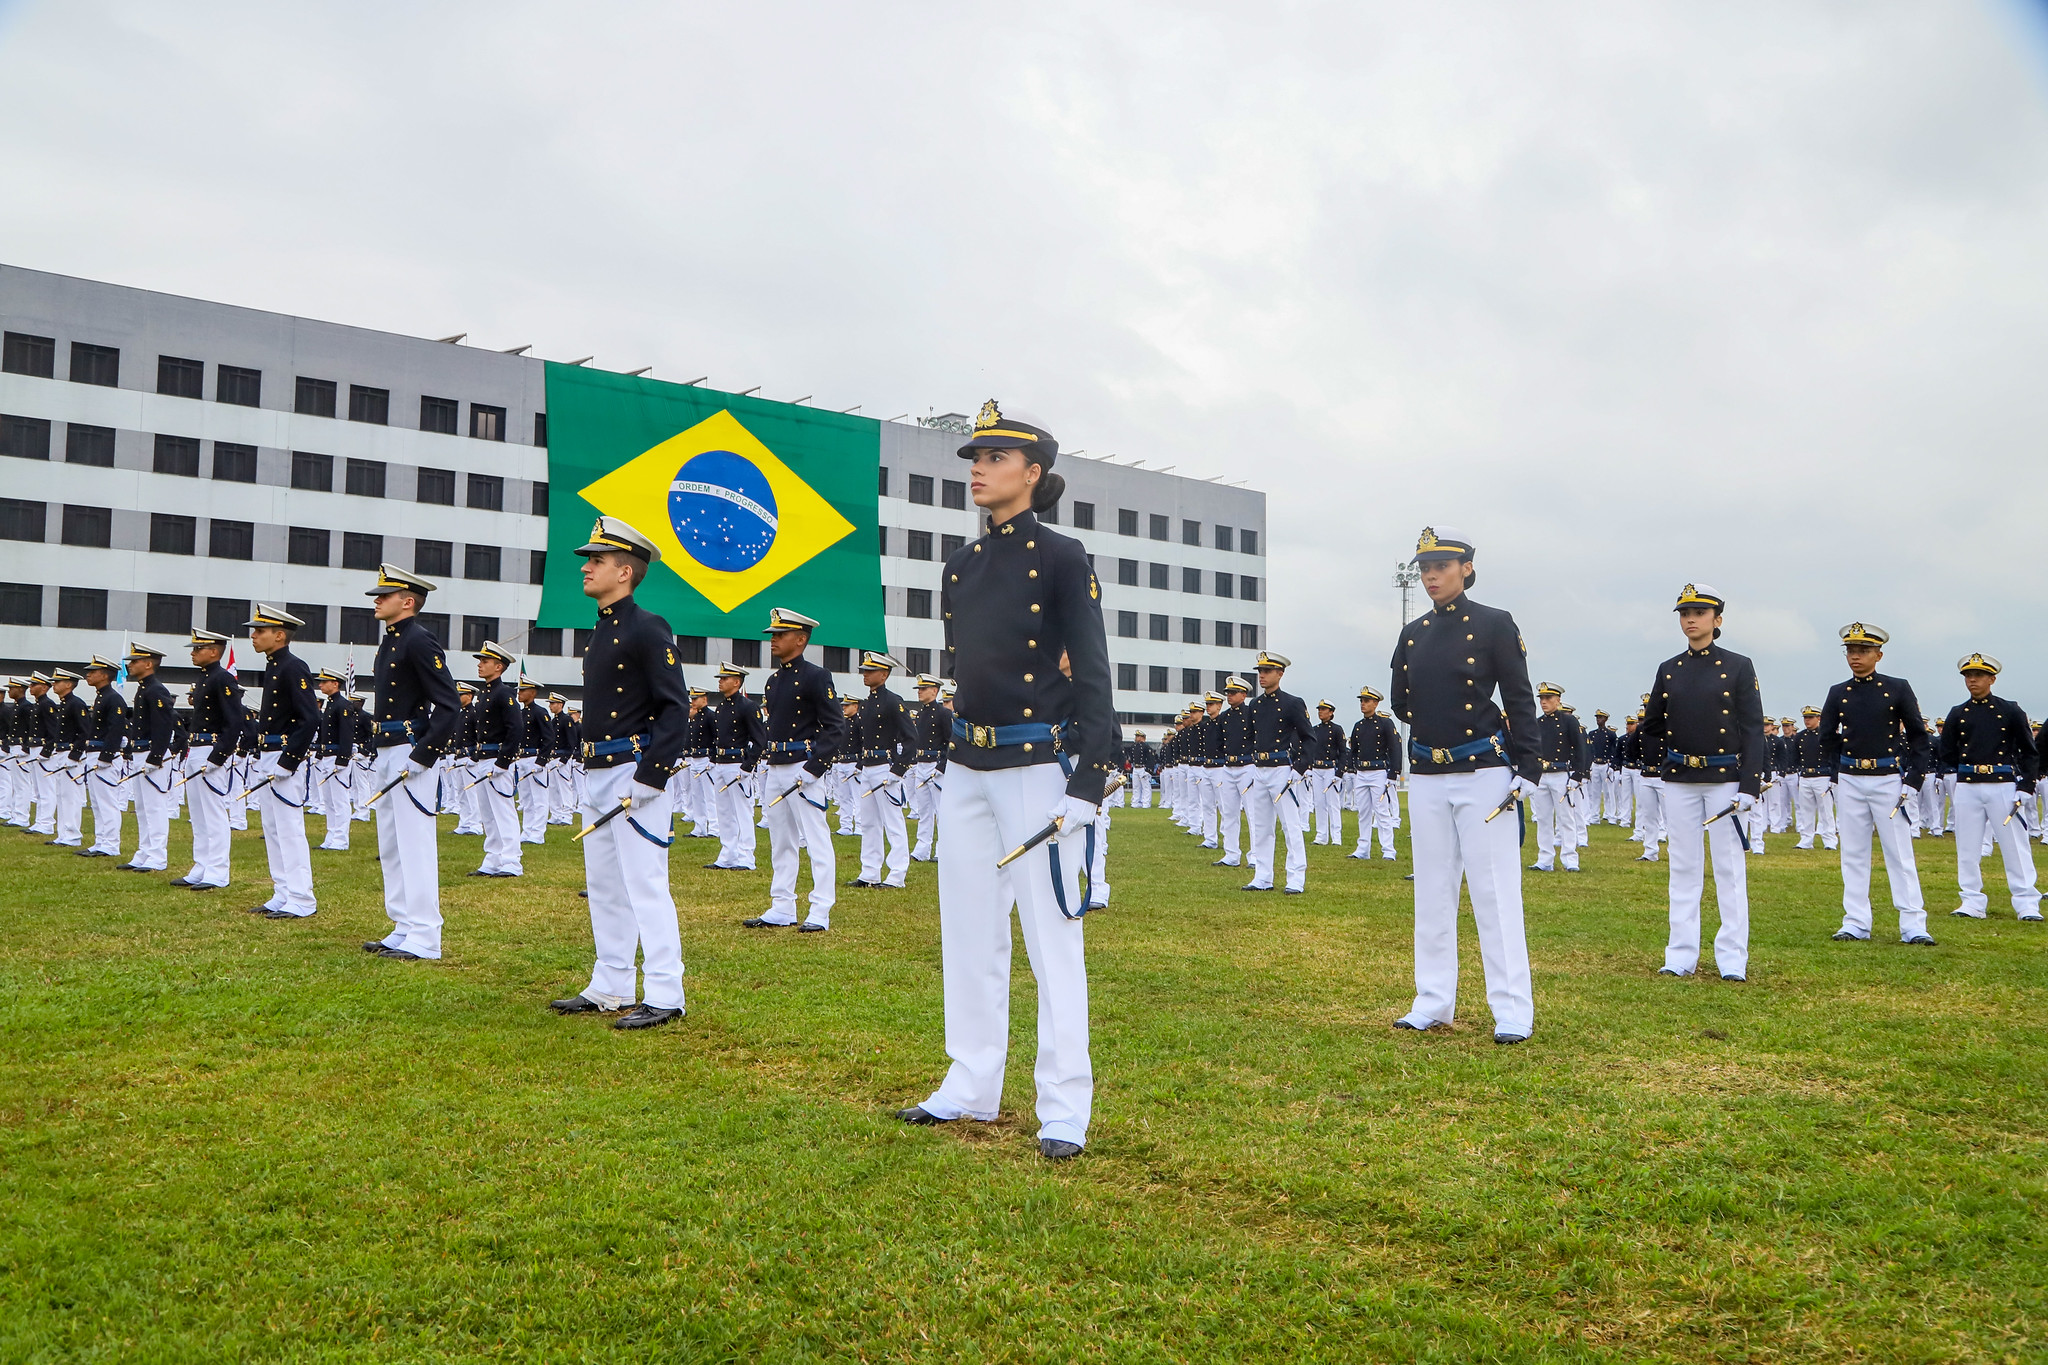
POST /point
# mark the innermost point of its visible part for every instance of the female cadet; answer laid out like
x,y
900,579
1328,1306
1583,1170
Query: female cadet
x,y
1029,744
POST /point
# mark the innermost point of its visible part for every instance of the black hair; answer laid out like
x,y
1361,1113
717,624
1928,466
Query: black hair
x,y
1047,492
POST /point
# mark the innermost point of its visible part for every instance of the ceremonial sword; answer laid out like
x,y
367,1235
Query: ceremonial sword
x,y
1053,828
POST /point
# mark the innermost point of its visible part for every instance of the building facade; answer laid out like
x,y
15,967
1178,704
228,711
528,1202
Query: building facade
x,y
167,462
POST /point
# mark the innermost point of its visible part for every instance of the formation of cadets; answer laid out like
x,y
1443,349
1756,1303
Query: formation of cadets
x,y
1009,782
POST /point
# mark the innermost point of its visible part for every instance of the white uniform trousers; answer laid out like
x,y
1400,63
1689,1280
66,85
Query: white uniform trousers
x,y
408,852
1816,812
844,795
206,803
563,797
1933,804
1778,800
1578,805
238,786
924,784
1227,797
282,805
1098,869
70,786
1686,808
1652,827
1980,811
494,810
1277,795
704,817
43,776
800,815
1376,798
632,914
1553,823
982,816
1326,788
1622,783
535,782
153,802
10,784
1141,788
1452,842
336,779
1207,793
881,825
456,791
1865,803
732,789
104,790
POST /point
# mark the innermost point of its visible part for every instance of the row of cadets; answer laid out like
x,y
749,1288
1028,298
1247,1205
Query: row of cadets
x,y
884,745
496,733
806,727
287,725
1561,749
1279,741
737,737
933,722
20,738
1375,775
1326,761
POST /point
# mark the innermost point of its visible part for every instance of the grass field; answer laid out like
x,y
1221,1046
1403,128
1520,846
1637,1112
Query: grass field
x,y
231,1138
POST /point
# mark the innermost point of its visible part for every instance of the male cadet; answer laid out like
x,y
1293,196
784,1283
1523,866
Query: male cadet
x,y
1576,798
1941,781
806,725
1226,775
934,724
1627,752
71,728
1375,770
285,730
415,715
38,729
536,751
884,743
100,758
155,731
1809,758
561,785
1988,741
1142,758
10,767
737,737
846,771
1279,752
1705,717
1653,824
1600,792
1469,758
497,742
215,701
1326,760
1876,743
1561,749
336,762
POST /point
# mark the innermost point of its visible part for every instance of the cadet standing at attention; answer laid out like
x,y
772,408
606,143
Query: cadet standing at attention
x,y
1987,740
335,764
1280,735
737,738
286,728
103,757
806,726
497,726
217,720
1326,760
73,728
1030,744
155,730
1375,773
1469,758
933,722
639,709
415,715
1558,747
1876,742
884,744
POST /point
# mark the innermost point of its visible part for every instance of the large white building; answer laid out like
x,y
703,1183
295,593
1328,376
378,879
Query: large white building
x,y
170,461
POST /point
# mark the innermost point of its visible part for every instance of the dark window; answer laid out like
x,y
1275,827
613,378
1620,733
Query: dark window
x,y
177,455
1158,678
88,445
917,604
1225,584
234,463
917,661
476,630
1248,541
746,653
487,492
539,505
365,478
180,378
170,534
1191,680
481,561
1190,532
1223,538
1161,627
691,648
21,604
918,544
953,493
168,614
437,486
307,545
82,608
1127,624
547,643
314,473
537,566
93,526
882,489
95,364
881,540
1191,630
1161,577
1222,676
486,424
23,520
921,489
1248,588
314,632
440,414
838,658
25,354
1225,631
1127,677
1084,516
369,405
233,384
1190,580
1160,526
579,643
358,625
315,398
1127,573
433,558
361,550
436,623
951,545
230,540
540,430
1247,636
25,438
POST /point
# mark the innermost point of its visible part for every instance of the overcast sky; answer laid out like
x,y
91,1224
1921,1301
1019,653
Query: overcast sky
x,y
1747,294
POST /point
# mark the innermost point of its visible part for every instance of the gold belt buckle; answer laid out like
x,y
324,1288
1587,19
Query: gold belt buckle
x,y
982,736
589,750
1441,756
1866,763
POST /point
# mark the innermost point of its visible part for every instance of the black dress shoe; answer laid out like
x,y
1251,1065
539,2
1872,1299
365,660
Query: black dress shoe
x,y
647,1016
1297,891
200,886
1844,936
809,928
1509,1039
401,954
760,923
858,882
576,1004
1057,1149
584,894
479,872
921,1116
1919,941
375,945
257,910
283,914
1732,976
181,881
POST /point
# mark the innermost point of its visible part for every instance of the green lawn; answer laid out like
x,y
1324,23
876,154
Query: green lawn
x,y
227,1137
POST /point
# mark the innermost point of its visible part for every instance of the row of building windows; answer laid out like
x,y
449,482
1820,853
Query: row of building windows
x,y
1228,634
918,545
1156,677
953,494
181,377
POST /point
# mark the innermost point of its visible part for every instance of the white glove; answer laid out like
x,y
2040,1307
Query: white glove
x,y
413,769
1075,816
1744,803
1523,788
644,795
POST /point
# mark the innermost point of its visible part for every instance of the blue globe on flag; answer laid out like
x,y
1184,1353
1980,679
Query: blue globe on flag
x,y
723,511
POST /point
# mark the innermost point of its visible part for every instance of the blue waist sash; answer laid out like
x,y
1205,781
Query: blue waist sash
x,y
1423,753
606,748
1888,764
1003,736
1675,759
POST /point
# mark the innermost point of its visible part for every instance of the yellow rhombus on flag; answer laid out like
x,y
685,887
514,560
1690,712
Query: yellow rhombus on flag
x,y
750,541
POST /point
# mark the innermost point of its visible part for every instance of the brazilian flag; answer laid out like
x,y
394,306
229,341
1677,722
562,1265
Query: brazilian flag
x,y
753,503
